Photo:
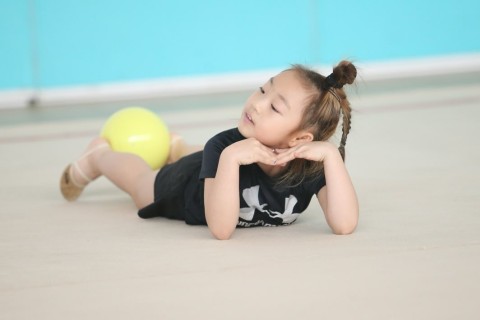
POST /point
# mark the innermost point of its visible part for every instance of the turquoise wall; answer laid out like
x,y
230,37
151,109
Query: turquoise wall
x,y
371,30
15,45
52,43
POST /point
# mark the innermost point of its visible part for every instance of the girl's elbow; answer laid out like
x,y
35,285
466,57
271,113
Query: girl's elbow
x,y
345,228
223,237
221,228
221,232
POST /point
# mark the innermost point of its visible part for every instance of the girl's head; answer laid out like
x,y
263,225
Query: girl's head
x,y
300,105
274,112
327,102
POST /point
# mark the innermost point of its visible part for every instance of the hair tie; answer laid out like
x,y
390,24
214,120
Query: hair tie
x,y
331,82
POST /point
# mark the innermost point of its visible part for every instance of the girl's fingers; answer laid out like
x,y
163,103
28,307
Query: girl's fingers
x,y
292,153
315,151
281,151
280,157
267,155
285,157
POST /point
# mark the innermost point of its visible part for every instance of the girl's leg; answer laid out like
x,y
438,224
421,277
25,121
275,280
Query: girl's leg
x,y
128,172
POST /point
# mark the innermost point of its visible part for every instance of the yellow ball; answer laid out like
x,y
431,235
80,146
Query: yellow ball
x,y
139,131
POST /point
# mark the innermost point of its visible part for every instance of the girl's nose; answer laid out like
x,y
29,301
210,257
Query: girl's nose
x,y
259,105
255,107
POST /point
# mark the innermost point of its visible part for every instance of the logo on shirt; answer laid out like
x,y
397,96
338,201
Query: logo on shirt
x,y
250,195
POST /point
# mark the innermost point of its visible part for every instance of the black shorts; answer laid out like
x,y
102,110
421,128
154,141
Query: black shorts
x,y
178,192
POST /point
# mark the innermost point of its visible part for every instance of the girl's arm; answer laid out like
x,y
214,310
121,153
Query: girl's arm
x,y
221,197
337,198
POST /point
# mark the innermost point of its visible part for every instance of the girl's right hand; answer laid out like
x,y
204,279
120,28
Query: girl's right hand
x,y
250,151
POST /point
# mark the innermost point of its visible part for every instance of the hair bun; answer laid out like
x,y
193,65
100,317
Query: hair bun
x,y
345,73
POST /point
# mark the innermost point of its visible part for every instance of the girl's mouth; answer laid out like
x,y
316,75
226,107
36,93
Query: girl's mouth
x,y
249,118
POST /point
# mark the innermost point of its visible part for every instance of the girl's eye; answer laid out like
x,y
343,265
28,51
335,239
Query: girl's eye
x,y
261,90
274,109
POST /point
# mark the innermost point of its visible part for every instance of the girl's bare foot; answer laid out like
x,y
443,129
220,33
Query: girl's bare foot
x,y
78,174
178,148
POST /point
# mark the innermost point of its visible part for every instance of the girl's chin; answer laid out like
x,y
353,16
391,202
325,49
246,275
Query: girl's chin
x,y
244,131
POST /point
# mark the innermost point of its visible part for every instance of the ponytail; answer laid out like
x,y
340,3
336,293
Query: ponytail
x,y
322,115
344,73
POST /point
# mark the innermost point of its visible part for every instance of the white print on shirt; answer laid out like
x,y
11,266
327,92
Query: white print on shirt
x,y
250,196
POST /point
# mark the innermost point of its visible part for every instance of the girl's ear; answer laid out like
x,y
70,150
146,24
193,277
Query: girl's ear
x,y
299,138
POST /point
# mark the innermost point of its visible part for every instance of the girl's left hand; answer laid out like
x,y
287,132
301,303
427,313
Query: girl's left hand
x,y
314,151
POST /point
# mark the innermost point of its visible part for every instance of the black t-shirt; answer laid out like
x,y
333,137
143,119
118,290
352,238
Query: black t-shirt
x,y
261,202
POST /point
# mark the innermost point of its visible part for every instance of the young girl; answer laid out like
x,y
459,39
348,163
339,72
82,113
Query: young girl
x,y
262,173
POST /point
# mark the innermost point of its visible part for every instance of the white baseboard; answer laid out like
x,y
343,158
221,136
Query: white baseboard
x,y
148,89
15,98
420,67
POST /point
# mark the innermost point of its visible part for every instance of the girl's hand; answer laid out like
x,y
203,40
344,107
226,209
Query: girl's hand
x,y
337,198
314,151
250,151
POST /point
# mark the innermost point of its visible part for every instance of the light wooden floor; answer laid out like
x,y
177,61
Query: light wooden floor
x,y
414,157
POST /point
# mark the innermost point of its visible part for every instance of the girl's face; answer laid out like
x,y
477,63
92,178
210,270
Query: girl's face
x,y
272,114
